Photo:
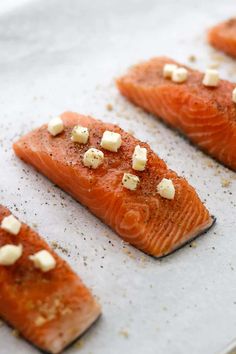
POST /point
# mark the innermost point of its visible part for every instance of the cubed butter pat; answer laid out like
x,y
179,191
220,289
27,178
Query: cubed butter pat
x,y
80,134
55,126
93,158
130,181
211,78
111,141
11,225
166,188
43,260
139,158
179,75
168,70
9,254
234,95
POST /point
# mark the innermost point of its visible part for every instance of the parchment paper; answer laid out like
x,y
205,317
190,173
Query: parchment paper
x,y
64,55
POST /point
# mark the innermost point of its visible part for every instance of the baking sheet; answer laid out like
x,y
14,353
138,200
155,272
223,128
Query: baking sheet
x,y
64,55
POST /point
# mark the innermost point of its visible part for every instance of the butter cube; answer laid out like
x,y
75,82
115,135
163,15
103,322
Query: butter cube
x,y
55,126
168,70
93,158
211,78
11,225
130,181
80,134
234,95
179,75
9,254
111,141
43,260
166,188
139,158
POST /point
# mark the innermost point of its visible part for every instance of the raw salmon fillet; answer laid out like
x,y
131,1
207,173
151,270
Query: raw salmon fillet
x,y
49,309
142,217
223,36
205,115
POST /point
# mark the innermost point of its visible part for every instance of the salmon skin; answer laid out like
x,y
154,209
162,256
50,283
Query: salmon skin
x,y
223,37
49,309
141,217
205,115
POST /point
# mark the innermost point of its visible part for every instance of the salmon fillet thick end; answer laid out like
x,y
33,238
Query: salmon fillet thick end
x,y
49,309
143,218
205,115
223,37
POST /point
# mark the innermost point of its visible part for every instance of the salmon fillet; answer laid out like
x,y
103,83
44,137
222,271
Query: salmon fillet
x,y
50,309
205,115
223,37
142,217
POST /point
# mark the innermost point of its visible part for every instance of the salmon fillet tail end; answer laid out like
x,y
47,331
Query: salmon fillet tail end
x,y
49,309
141,217
201,231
